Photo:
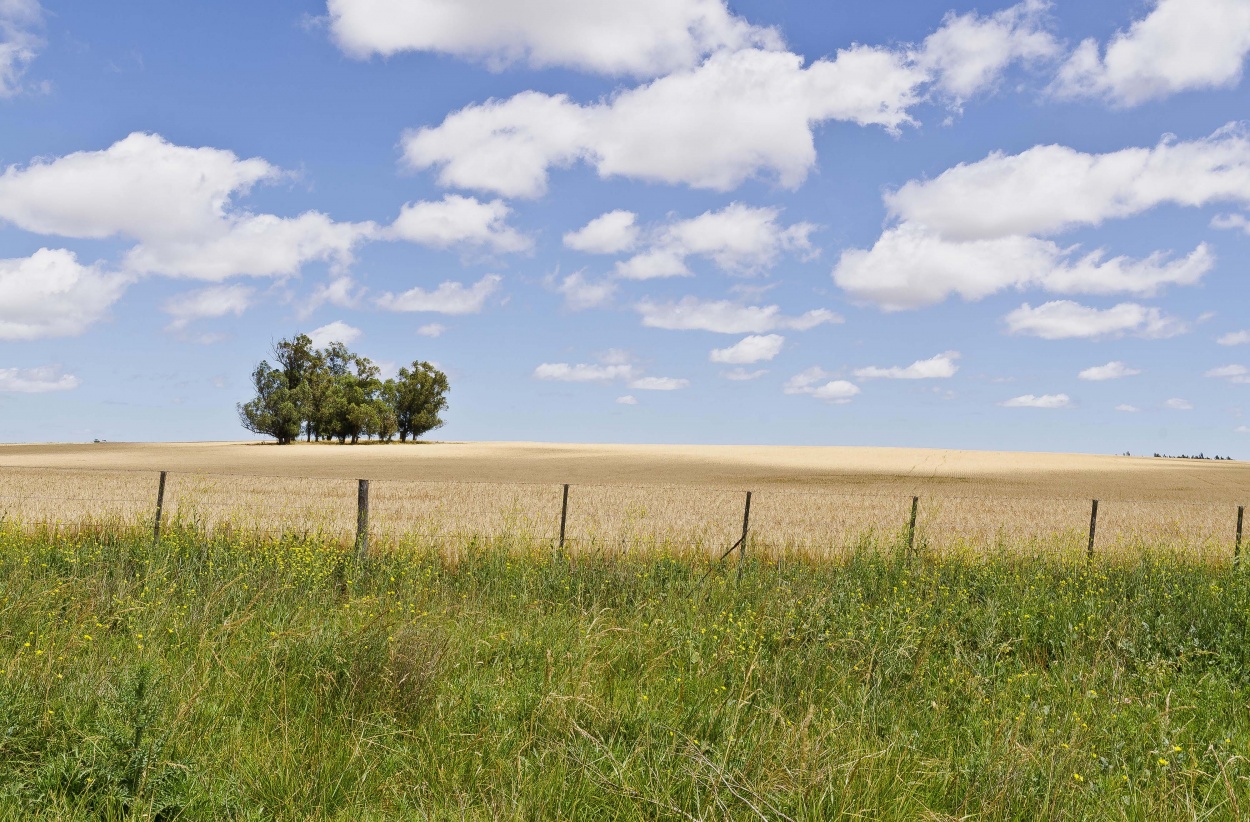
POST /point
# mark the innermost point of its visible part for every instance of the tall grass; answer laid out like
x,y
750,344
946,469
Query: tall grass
x,y
243,678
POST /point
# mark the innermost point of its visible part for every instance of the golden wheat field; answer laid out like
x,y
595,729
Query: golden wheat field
x,y
817,501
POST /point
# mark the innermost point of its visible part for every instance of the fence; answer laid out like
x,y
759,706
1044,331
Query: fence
x,y
620,518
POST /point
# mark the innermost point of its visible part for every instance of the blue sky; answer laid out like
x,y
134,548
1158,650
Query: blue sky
x,y
998,226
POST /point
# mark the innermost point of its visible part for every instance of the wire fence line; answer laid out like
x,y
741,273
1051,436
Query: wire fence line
x,y
619,518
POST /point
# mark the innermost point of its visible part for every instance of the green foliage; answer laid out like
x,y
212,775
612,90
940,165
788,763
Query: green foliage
x,y
333,393
275,410
280,679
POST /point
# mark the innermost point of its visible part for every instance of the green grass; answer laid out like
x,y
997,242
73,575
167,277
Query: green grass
x,y
279,680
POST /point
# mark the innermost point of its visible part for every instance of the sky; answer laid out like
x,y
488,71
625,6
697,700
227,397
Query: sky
x,y
923,223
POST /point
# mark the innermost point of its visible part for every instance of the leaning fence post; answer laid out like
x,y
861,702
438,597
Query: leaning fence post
x,y
911,526
1093,529
564,514
746,524
160,503
362,519
1241,515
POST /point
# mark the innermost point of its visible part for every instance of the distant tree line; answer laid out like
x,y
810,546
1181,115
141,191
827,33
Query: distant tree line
x,y
332,394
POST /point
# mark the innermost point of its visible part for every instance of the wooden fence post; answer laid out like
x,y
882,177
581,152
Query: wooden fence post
x,y
746,524
1241,515
564,514
160,504
362,519
911,526
1093,529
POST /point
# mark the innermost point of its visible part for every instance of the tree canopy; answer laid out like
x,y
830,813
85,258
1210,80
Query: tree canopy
x,y
332,393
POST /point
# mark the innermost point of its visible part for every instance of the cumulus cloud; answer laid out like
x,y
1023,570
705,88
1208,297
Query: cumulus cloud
x,y
1179,46
581,293
178,203
659,383
431,330
1236,222
743,375
1113,370
36,380
583,372
1235,338
740,114
51,294
216,301
609,233
911,266
337,331
1232,373
459,221
642,38
1126,408
969,53
941,366
628,399
1044,401
1242,429
725,317
815,382
20,42
1065,319
1178,404
449,298
751,349
1052,188
739,239
614,365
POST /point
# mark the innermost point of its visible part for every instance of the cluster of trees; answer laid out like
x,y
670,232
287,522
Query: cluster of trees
x,y
331,393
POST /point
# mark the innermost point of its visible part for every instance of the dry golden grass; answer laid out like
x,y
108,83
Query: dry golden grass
x,y
811,501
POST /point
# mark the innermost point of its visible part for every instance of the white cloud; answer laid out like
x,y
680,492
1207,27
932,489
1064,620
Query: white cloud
x,y
432,330
1232,373
50,294
216,301
1178,404
458,220
724,317
742,375
581,293
740,114
448,298
642,38
659,383
912,266
815,382
36,380
754,348
1126,408
337,331
628,399
1235,338
1237,222
1052,188
1181,45
177,202
1113,370
583,372
1044,401
609,233
738,239
941,366
969,53
257,246
1065,319
19,42
1242,429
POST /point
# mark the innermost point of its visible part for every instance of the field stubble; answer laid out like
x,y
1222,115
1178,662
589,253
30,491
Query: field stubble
x,y
616,519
